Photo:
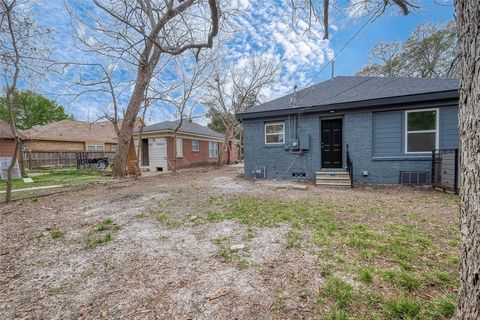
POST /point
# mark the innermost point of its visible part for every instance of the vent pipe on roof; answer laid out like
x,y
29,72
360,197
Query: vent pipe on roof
x,y
293,101
333,69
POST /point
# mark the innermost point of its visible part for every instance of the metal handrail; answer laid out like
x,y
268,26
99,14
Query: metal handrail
x,y
350,167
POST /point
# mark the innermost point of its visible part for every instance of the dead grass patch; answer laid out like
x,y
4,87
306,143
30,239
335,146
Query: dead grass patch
x,y
188,246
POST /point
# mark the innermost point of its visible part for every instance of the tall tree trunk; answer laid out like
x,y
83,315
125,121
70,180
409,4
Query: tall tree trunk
x,y
140,132
8,194
175,134
21,160
228,152
13,129
144,74
468,24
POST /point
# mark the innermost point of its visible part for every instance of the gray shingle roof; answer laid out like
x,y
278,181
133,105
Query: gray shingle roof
x,y
344,89
187,127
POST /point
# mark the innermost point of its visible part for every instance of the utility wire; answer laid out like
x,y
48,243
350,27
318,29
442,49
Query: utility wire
x,y
373,17
295,98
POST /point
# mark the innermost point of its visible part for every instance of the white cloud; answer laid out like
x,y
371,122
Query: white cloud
x,y
264,29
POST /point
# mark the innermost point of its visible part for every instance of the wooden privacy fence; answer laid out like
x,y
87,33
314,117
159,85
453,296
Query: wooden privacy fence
x,y
41,159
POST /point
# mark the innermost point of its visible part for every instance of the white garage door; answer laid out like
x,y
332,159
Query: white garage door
x,y
157,153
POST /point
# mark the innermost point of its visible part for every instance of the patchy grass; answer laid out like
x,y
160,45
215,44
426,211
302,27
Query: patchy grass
x,y
102,234
339,291
108,224
367,253
92,241
382,257
337,315
401,279
365,275
48,177
402,308
56,234
243,264
293,240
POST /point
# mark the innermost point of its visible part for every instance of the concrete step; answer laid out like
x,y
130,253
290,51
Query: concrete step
x,y
342,177
332,179
328,184
332,174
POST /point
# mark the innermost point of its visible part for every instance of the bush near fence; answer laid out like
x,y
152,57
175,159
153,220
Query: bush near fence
x,y
42,159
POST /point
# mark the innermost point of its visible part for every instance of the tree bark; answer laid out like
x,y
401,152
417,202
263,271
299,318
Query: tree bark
x,y
8,194
175,134
144,74
468,24
21,160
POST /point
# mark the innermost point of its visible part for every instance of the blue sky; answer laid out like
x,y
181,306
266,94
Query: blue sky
x,y
264,29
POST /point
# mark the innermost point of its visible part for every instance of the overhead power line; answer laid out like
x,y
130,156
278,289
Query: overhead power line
x,y
373,17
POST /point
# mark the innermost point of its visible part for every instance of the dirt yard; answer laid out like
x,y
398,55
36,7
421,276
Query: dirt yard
x,y
208,244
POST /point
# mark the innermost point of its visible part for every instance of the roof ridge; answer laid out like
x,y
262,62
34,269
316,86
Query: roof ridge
x,y
395,77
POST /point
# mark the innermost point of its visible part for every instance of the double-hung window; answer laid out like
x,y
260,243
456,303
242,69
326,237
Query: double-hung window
x,y
421,131
95,148
213,149
195,145
274,133
179,148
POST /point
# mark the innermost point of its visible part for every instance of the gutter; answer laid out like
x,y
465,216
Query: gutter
x,y
169,133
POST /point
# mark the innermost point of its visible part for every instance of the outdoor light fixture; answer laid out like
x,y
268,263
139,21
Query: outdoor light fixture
x,y
332,111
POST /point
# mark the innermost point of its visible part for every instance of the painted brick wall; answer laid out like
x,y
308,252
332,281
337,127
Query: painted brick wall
x,y
195,158
6,147
280,163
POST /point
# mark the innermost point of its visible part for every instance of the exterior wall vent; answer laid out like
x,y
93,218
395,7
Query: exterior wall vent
x,y
299,175
414,178
259,172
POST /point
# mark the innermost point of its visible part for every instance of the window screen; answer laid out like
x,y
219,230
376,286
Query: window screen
x,y
213,149
274,133
195,145
421,131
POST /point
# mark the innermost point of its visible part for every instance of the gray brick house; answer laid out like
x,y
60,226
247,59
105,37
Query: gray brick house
x,y
383,128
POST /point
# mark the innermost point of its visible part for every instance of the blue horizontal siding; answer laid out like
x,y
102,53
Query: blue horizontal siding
x,y
449,133
387,133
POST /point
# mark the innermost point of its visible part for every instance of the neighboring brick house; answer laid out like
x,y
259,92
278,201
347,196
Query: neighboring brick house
x,y
196,145
71,135
7,141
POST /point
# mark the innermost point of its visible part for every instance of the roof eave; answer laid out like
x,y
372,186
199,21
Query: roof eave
x,y
362,104
169,131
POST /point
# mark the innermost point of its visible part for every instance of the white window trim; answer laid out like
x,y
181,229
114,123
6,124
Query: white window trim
x,y
96,145
198,145
274,134
213,143
437,131
179,149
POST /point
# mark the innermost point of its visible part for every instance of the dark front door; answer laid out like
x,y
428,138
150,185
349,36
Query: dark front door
x,y
332,143
145,157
